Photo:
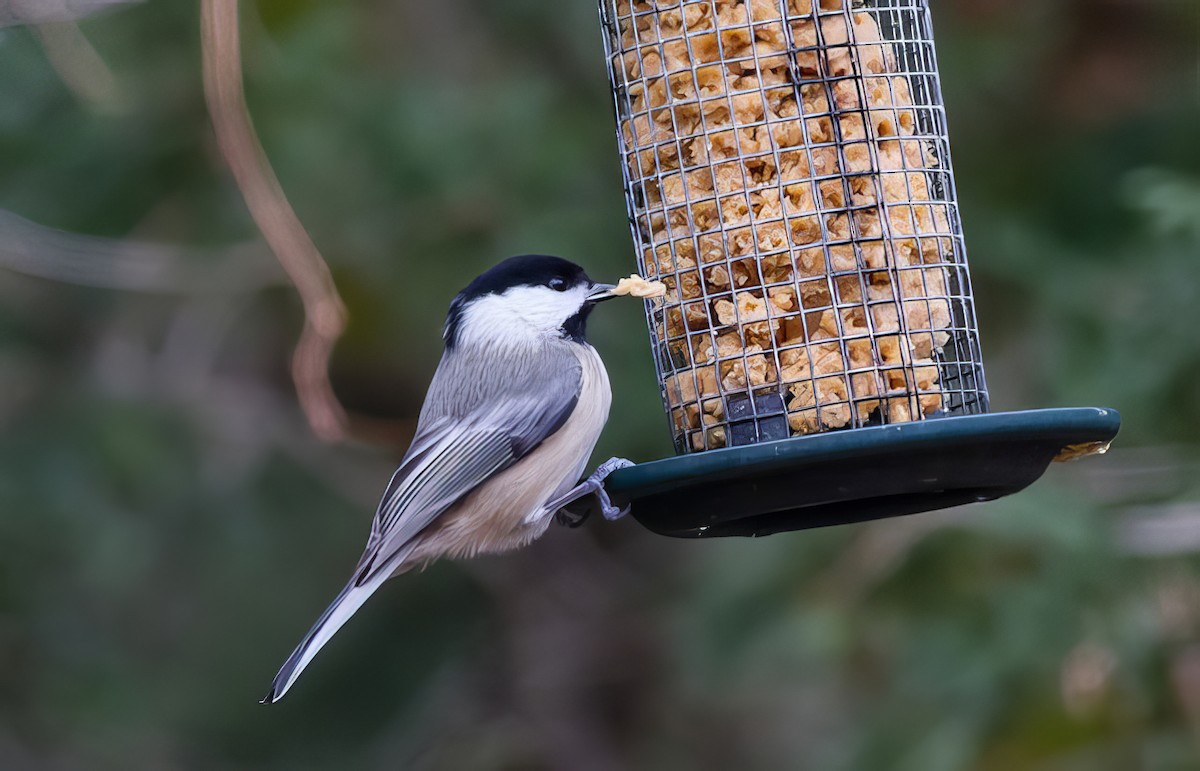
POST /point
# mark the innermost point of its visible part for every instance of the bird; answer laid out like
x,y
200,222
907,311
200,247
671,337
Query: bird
x,y
511,417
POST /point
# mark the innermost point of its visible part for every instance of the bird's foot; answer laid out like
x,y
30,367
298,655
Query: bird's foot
x,y
574,516
610,511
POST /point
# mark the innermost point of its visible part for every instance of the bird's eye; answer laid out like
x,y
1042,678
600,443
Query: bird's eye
x,y
558,284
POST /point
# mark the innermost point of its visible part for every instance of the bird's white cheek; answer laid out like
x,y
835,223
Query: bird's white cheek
x,y
520,314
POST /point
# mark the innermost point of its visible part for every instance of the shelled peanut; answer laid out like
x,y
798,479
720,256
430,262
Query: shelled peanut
x,y
786,203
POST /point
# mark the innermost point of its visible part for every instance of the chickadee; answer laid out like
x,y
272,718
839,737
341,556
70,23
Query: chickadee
x,y
511,417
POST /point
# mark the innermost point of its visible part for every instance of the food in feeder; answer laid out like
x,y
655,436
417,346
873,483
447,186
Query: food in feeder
x,y
787,205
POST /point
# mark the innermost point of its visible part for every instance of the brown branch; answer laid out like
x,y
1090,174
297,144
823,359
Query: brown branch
x,y
80,66
324,312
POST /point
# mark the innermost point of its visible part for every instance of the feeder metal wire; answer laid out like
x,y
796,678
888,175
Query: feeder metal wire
x,y
787,175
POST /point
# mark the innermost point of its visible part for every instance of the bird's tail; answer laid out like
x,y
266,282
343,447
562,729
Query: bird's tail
x,y
349,600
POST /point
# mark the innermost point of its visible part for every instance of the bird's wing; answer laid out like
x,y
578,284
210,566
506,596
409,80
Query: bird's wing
x,y
461,458
453,454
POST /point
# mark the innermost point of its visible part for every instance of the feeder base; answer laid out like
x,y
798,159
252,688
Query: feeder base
x,y
858,475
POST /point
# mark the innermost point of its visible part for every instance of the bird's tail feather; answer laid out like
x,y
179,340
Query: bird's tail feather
x,y
349,600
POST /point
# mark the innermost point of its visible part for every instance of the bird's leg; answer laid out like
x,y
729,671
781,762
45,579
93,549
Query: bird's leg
x,y
593,485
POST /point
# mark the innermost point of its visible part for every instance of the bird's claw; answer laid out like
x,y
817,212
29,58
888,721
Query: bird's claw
x,y
592,486
608,467
610,511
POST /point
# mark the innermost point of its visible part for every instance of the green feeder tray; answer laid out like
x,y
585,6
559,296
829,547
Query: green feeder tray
x,y
857,475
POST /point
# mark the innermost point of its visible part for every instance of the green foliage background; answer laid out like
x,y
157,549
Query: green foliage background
x,y
169,527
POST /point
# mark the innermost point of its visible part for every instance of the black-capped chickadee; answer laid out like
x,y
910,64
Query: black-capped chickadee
x,y
511,417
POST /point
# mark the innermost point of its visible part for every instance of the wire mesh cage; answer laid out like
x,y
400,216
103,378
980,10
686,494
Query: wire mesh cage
x,y
787,174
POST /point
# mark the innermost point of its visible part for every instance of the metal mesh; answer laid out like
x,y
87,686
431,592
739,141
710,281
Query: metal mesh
x,y
788,177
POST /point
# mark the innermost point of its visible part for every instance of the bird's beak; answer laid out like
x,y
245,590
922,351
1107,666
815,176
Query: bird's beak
x,y
601,292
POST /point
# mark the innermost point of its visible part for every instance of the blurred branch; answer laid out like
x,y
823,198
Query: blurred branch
x,y
325,315
17,12
80,65
138,266
1162,530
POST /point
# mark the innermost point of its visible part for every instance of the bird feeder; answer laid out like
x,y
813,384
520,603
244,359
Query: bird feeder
x,y
787,174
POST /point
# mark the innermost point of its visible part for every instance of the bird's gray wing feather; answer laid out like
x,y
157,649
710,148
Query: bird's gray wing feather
x,y
468,432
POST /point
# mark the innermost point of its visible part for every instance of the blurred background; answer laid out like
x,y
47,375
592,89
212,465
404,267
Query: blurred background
x,y
170,525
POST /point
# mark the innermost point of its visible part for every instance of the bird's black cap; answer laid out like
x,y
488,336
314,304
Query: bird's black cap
x,y
524,270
